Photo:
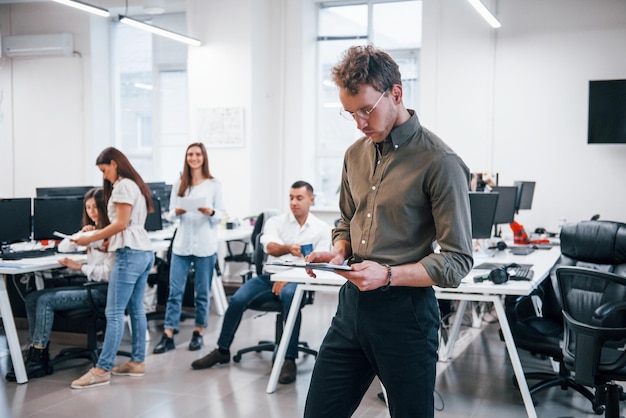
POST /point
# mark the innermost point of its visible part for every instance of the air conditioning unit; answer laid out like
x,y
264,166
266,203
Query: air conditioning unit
x,y
49,44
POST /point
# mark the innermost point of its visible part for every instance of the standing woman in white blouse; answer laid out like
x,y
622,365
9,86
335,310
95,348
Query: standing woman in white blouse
x,y
128,203
195,242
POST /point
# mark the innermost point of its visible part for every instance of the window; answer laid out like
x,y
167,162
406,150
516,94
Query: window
x,y
393,26
150,99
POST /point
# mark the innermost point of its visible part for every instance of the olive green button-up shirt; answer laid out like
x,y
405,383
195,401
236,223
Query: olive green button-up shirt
x,y
401,198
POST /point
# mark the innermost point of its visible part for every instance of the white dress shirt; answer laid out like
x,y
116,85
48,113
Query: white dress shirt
x,y
197,233
285,229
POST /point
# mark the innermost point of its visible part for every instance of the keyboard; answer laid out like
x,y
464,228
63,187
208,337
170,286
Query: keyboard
x,y
522,273
18,255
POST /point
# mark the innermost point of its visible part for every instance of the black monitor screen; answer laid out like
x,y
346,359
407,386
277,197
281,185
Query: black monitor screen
x,y
63,214
14,220
161,190
154,221
526,190
70,191
607,112
505,209
483,208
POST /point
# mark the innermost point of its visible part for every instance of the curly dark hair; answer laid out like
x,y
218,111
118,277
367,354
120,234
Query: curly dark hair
x,y
366,64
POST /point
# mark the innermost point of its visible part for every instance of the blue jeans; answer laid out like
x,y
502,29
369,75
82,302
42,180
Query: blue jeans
x,y
127,285
179,271
258,290
42,304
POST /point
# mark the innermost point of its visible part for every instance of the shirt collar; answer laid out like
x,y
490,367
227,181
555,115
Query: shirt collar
x,y
403,133
292,219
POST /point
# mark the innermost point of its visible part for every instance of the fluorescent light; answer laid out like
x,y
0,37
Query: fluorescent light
x,y
485,13
85,7
159,31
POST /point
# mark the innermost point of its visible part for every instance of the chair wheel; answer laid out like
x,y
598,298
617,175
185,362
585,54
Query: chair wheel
x,y
597,409
237,358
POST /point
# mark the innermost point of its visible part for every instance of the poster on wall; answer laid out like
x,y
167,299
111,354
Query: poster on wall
x,y
221,127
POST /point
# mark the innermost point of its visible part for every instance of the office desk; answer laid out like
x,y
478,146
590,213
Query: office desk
x,y
8,268
541,260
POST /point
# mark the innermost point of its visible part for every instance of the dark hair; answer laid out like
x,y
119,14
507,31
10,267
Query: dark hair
x,y
185,178
126,170
98,195
362,65
301,183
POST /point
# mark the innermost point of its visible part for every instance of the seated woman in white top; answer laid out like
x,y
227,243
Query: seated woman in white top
x,y
42,304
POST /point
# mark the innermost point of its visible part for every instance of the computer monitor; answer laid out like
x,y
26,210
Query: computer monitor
x,y
14,220
154,222
161,190
63,214
483,208
505,209
70,191
525,192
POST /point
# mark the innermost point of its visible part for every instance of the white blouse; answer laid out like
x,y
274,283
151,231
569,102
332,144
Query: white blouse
x,y
135,235
99,263
197,233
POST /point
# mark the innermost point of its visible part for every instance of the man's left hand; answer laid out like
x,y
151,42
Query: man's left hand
x,y
367,275
277,287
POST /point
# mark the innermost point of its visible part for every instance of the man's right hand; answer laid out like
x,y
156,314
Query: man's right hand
x,y
323,257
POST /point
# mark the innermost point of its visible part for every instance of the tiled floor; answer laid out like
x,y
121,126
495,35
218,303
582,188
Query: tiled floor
x,y
478,383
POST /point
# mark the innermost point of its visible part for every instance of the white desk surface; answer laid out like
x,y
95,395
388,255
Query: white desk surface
x,y
541,260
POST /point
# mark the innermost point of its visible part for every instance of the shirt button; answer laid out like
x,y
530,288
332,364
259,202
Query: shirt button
x,y
395,147
369,215
373,187
362,241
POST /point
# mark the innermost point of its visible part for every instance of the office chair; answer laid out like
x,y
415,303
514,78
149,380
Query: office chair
x,y
248,256
161,278
594,309
600,245
274,305
95,321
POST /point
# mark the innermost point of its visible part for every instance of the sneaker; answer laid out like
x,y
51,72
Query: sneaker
x,y
166,344
196,341
211,359
288,371
91,379
129,369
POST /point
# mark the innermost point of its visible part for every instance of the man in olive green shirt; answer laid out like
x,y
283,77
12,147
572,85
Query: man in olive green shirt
x,y
404,193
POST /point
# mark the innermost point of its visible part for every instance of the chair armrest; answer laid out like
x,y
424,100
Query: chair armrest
x,y
603,312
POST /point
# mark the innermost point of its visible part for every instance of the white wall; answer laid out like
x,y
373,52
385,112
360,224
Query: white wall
x,y
514,101
511,101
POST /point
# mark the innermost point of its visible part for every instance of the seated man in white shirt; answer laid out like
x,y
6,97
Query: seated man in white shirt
x,y
282,237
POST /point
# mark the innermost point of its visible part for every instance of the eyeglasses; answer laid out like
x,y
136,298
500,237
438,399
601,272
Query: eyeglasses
x,y
362,114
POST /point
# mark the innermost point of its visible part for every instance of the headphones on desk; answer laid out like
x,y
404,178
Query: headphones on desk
x,y
498,275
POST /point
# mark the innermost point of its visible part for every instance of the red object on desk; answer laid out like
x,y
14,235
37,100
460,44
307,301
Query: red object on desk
x,y
519,233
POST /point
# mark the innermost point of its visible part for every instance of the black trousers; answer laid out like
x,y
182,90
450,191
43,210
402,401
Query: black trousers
x,y
391,334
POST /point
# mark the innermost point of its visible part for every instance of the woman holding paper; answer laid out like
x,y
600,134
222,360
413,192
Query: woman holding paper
x,y
42,304
197,202
128,203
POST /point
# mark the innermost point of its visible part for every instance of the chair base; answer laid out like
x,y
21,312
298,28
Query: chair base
x,y
548,380
272,347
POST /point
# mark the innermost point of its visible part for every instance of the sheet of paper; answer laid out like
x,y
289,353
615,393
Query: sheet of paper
x,y
191,204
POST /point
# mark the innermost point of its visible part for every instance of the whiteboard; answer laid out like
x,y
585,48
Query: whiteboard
x,y
221,127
